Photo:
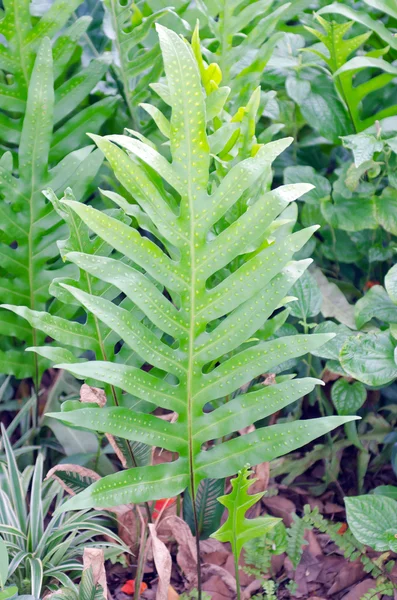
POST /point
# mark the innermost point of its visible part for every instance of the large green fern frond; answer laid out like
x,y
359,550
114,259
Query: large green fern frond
x,y
340,49
29,225
23,35
242,38
208,311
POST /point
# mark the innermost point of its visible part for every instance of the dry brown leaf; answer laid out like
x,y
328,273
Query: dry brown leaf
x,y
172,594
95,558
262,474
280,507
186,555
360,589
227,578
83,471
248,429
270,379
349,574
313,545
93,395
163,562
335,304
216,588
117,450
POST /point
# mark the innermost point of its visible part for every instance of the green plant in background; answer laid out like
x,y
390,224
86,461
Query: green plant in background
x,y
43,549
211,316
23,35
135,57
240,39
369,518
343,70
87,590
371,357
237,529
29,226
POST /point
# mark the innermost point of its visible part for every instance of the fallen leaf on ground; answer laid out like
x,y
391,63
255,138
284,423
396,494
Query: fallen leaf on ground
x,y
349,574
360,589
172,594
226,577
280,507
94,558
82,472
217,589
93,395
163,562
262,475
186,555
129,587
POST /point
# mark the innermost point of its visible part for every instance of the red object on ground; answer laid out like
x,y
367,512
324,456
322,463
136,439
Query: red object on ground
x,y
129,587
342,528
160,505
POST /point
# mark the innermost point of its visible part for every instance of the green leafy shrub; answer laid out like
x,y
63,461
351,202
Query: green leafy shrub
x,y
43,548
47,130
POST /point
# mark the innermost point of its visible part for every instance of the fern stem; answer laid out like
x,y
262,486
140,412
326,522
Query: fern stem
x,y
197,538
141,559
236,568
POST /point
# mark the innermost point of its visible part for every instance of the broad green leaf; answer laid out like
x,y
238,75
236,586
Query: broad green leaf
x,y
386,490
363,147
375,304
386,6
331,349
347,397
321,190
370,358
350,214
309,297
391,284
237,529
385,209
373,521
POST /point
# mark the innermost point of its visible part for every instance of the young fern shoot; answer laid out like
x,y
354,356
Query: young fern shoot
x,y
209,313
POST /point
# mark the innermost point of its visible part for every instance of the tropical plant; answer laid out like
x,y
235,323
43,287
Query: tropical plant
x,y
23,35
28,246
360,514
237,529
241,40
207,313
371,357
135,56
43,548
87,590
344,70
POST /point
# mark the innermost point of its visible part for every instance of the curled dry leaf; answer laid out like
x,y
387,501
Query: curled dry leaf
x,y
70,476
95,558
81,474
262,475
334,304
226,577
162,560
93,395
117,450
174,527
